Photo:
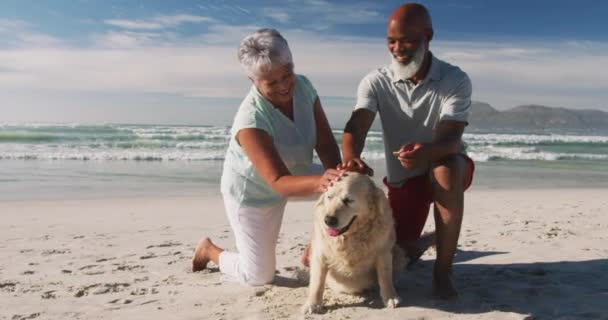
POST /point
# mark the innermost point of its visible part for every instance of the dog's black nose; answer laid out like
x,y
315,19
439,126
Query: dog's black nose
x,y
331,221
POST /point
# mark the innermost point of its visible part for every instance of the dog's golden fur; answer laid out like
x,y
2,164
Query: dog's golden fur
x,y
358,251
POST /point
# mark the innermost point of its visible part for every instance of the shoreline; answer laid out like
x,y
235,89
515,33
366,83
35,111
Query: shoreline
x,y
38,180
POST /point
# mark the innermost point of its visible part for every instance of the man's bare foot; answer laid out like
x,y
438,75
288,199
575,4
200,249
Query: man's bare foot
x,y
443,288
304,258
201,255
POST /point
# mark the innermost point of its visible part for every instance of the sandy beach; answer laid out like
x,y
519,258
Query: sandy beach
x,y
529,254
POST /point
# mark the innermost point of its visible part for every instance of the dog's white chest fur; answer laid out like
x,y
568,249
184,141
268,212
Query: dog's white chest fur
x,y
345,263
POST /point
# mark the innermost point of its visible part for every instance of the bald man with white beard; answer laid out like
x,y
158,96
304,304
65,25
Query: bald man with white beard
x,y
424,104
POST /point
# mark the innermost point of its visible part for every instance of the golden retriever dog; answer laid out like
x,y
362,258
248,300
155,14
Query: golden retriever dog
x,y
353,243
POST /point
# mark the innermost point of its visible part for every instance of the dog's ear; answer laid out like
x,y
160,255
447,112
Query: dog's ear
x,y
380,203
320,201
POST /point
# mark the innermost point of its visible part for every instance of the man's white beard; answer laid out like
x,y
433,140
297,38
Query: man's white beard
x,y
406,71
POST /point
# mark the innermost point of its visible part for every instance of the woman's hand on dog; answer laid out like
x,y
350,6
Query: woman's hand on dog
x,y
328,178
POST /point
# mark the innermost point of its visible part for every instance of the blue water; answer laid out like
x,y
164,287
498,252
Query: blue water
x,y
67,160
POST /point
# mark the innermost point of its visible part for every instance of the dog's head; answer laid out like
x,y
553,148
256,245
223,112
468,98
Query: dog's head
x,y
349,204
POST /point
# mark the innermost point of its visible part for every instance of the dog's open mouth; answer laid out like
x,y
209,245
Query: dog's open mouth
x,y
336,232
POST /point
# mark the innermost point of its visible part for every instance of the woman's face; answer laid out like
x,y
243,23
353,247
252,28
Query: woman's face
x,y
276,84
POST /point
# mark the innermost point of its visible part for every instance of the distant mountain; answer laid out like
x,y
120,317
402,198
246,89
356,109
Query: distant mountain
x,y
536,117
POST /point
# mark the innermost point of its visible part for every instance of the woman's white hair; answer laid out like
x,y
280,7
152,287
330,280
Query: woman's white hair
x,y
262,50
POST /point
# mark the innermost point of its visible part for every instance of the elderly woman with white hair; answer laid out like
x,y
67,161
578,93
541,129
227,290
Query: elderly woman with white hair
x,y
278,125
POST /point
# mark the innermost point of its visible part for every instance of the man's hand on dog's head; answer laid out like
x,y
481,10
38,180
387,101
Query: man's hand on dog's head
x,y
356,165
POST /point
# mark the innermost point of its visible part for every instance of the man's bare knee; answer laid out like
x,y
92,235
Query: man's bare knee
x,y
449,173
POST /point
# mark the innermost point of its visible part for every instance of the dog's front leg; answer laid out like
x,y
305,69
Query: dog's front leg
x,y
384,268
318,273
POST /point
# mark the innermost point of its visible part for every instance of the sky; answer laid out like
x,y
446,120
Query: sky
x,y
174,62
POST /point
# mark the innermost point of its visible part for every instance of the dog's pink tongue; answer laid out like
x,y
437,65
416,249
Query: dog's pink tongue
x,y
333,232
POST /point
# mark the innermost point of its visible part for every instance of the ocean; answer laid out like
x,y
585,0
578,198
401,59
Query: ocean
x,y
111,160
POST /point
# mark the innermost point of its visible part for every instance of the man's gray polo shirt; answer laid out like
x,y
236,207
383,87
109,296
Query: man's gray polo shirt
x,y
409,112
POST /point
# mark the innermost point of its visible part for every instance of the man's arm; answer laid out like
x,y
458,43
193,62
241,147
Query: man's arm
x,y
447,136
326,147
447,139
353,140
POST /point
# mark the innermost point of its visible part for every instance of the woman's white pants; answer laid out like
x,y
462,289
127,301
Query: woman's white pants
x,y
256,231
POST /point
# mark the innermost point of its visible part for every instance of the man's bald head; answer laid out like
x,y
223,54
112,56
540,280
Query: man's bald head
x,y
408,34
411,18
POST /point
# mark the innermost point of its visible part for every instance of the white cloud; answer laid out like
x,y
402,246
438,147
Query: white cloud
x,y
325,12
20,33
559,74
127,39
7,25
157,23
227,35
134,24
180,19
276,14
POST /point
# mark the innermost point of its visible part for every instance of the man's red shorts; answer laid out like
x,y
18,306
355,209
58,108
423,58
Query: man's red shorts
x,y
412,201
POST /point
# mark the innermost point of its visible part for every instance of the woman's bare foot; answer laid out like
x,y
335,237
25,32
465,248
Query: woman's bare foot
x,y
205,251
443,288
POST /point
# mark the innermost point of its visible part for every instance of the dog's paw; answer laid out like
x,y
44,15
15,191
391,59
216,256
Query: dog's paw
x,y
392,302
312,308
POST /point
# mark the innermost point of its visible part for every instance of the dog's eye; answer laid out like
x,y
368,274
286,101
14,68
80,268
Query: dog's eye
x,y
347,201
329,197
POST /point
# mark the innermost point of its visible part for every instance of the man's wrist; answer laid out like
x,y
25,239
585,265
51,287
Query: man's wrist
x,y
348,157
436,152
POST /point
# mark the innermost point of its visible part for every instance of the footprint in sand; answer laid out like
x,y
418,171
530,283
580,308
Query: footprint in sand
x,y
55,251
8,286
91,272
171,280
101,289
121,301
552,233
83,291
31,316
165,245
136,280
88,267
144,291
148,256
112,287
126,267
298,246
